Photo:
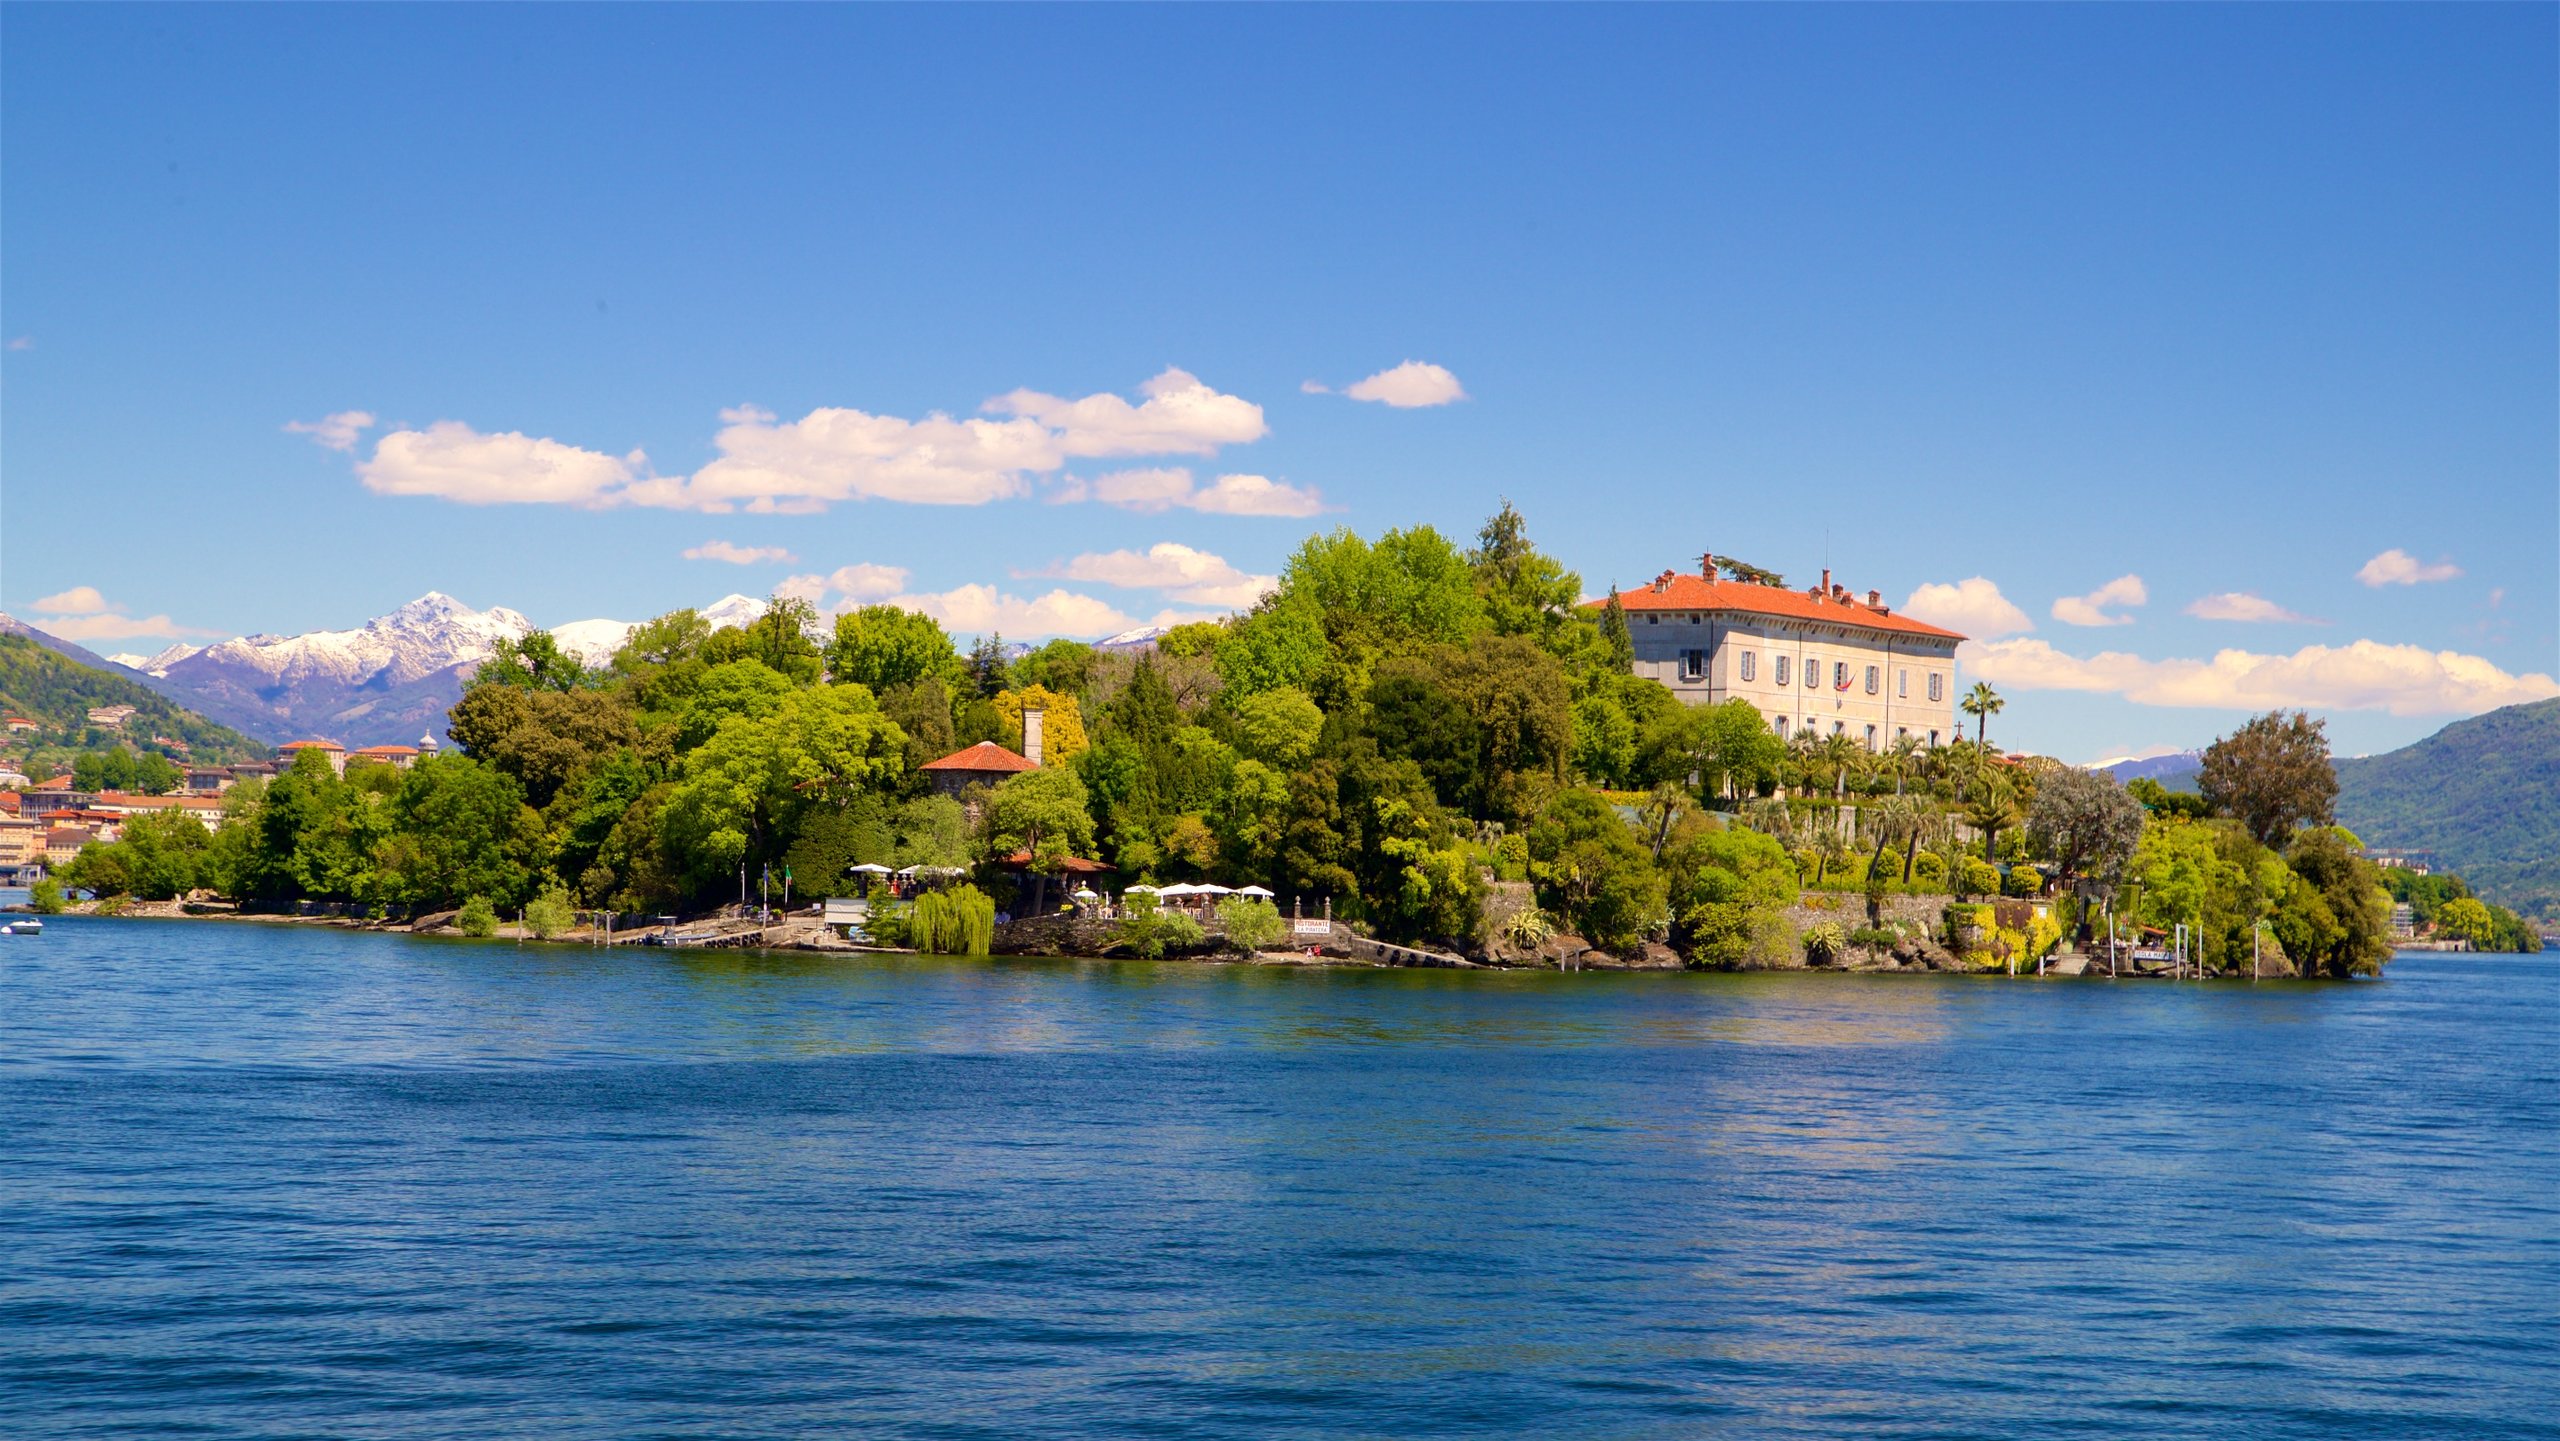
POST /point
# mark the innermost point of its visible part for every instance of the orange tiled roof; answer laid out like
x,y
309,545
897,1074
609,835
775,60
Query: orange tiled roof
x,y
386,751
1693,592
984,756
311,745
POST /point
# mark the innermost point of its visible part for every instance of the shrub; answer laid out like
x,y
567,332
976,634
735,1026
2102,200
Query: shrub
x,y
1978,878
1149,931
46,897
1528,929
477,918
1875,938
550,914
2022,881
960,921
1823,943
1251,922
1929,869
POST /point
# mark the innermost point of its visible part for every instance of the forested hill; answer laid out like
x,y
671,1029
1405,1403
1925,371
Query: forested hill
x,y
49,687
2483,794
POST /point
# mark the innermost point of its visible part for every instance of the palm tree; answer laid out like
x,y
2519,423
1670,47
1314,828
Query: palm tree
x,y
1902,759
1931,827
1994,809
1893,818
1841,754
1829,849
1771,818
1982,703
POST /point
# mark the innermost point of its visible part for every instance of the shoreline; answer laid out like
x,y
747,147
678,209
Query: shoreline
x,y
807,937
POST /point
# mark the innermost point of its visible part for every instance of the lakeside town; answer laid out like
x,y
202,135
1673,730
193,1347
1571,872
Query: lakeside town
x,y
1410,752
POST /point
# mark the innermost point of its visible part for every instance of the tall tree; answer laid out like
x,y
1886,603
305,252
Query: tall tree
x,y
2085,823
1982,703
883,646
2273,775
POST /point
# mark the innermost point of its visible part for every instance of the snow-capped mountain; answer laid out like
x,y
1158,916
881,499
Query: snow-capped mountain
x,y
157,663
385,682
1142,638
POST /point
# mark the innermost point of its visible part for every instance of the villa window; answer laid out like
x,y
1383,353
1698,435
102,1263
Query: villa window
x,y
1782,670
1693,664
1779,724
1746,665
1874,678
1937,690
1933,740
1871,737
1902,683
1839,675
1812,671
1653,620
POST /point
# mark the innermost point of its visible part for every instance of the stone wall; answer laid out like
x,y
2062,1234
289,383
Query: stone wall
x,y
1849,909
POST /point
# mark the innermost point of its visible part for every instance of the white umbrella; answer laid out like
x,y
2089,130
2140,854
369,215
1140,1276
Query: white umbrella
x,y
1148,889
908,871
1207,889
1255,891
1180,888
869,868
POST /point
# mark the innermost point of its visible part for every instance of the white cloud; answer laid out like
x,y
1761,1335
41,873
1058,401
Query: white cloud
x,y
1409,386
79,600
338,431
1180,416
2091,609
863,583
741,554
1173,489
451,461
23,342
2399,567
2364,675
1972,607
830,455
1314,387
2242,606
980,609
1191,576
83,614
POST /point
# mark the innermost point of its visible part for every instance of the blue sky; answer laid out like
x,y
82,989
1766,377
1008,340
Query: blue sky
x,y
1987,308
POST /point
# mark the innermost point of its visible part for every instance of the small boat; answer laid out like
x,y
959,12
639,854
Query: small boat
x,y
28,927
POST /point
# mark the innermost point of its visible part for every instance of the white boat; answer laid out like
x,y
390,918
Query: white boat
x,y
27,927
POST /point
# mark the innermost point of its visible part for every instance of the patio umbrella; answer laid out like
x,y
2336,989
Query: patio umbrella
x,y
869,868
1254,891
1206,889
1142,886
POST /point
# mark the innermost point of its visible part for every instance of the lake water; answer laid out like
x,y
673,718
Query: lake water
x,y
284,1182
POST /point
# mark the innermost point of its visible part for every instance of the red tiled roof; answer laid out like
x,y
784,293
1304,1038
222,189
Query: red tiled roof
x,y
984,756
1692,592
310,745
387,751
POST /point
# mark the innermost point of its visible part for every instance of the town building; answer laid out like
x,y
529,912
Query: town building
x,y
1819,660
21,843
399,758
336,753
61,843
112,717
986,764
20,725
207,809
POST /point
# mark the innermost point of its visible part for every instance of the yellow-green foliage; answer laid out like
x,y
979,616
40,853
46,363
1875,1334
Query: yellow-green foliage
x,y
958,922
550,914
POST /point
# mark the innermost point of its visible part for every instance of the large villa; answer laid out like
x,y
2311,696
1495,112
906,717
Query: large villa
x,y
1818,660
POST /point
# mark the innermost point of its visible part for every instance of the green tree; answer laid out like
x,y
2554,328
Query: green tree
x,y
458,828
2272,775
778,640
1064,666
1590,869
550,914
2085,823
1982,703
1042,812
1524,592
477,918
1277,727
739,797
533,662
2468,919
1251,922
884,646
545,739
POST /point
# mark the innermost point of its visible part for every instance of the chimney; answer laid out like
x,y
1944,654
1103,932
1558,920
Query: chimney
x,y
1707,565
1031,734
1875,600
1826,582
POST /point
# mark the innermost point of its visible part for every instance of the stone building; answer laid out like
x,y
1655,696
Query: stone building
x,y
1819,659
